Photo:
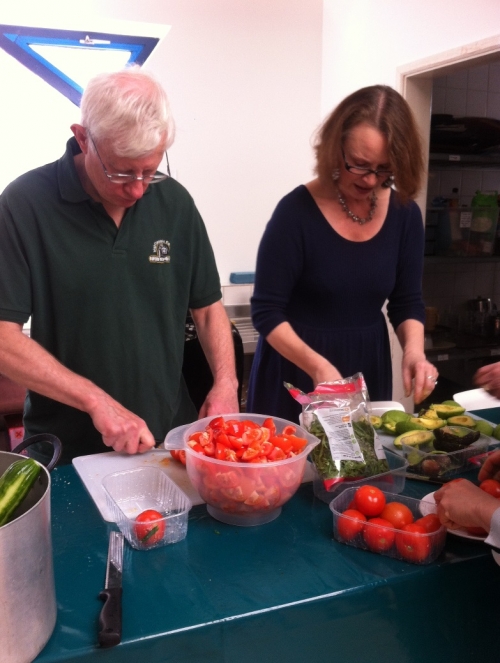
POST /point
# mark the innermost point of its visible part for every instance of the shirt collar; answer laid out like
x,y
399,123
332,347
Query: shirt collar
x,y
70,184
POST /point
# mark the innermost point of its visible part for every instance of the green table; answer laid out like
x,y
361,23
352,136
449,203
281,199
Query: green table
x,y
284,591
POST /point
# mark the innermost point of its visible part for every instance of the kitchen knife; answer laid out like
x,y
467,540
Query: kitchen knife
x,y
110,619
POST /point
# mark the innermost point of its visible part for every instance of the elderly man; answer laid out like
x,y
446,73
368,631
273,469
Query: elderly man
x,y
107,255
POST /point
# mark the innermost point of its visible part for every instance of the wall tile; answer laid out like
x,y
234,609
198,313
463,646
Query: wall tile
x,y
457,80
494,77
477,78
464,285
484,279
438,99
455,102
471,182
449,180
476,103
236,294
490,180
493,106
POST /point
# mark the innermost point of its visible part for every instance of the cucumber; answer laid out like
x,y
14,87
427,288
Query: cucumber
x,y
15,483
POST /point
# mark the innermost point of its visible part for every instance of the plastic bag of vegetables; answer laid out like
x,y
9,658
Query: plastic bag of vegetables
x,y
337,413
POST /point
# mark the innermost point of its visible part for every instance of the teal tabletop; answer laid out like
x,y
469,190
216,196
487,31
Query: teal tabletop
x,y
283,591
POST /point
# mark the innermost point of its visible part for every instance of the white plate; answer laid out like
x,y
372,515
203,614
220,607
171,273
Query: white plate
x,y
476,399
378,408
428,505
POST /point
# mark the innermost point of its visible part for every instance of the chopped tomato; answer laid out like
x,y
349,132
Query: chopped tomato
x,y
217,424
270,425
234,427
282,442
178,454
277,454
250,453
234,440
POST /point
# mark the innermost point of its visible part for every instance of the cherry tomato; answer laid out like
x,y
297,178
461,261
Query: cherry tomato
x,y
430,522
379,534
491,486
350,526
413,543
398,514
149,527
370,500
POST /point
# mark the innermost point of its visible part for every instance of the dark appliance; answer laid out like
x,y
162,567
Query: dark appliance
x,y
196,370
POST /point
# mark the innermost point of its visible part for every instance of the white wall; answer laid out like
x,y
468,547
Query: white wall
x,y
244,80
365,41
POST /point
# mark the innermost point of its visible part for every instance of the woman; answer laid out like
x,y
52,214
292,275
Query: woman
x,y
334,251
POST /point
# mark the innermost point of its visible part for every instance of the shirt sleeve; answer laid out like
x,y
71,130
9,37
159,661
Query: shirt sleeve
x,y
280,261
15,282
405,301
493,538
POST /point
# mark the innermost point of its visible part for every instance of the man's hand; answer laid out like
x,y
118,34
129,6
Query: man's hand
x,y
221,399
120,429
491,468
462,504
488,377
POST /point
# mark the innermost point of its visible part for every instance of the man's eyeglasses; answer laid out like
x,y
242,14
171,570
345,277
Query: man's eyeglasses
x,y
127,178
356,170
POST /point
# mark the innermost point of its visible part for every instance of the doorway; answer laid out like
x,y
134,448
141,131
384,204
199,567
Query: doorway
x,y
415,83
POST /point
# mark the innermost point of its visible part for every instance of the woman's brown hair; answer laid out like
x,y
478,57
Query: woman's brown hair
x,y
384,109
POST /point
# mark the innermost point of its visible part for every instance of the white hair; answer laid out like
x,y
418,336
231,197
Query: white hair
x,y
130,109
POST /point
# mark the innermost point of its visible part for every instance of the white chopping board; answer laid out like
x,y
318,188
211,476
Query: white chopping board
x,y
93,468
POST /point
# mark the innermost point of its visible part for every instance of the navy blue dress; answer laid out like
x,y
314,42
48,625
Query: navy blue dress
x,y
332,291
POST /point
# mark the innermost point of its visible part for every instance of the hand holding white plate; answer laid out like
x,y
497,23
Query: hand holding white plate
x,y
428,505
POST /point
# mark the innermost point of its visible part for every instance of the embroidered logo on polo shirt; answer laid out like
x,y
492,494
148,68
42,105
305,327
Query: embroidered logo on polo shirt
x,y
161,251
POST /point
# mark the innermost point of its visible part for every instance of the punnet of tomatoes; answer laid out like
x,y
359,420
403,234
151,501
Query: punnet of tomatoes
x,y
244,466
148,507
386,523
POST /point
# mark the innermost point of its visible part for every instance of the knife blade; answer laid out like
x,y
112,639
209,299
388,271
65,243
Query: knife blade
x,y
110,619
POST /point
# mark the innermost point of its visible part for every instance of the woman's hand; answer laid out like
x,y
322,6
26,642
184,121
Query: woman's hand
x,y
419,375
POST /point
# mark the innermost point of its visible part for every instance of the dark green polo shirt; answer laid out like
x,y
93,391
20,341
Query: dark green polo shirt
x,y
110,303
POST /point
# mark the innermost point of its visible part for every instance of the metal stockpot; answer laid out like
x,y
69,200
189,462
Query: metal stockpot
x,y
27,593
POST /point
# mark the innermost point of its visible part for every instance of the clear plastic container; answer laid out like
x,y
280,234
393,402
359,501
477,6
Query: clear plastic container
x,y
426,547
423,460
393,480
244,494
131,492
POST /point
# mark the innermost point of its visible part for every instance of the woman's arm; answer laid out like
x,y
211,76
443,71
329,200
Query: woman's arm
x,y
419,375
285,341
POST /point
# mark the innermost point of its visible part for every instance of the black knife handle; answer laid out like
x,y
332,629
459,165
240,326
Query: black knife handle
x,y
110,619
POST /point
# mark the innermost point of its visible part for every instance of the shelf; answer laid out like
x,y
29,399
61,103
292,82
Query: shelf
x,y
446,160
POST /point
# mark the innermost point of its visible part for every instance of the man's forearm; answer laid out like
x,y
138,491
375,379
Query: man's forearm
x,y
214,331
27,363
